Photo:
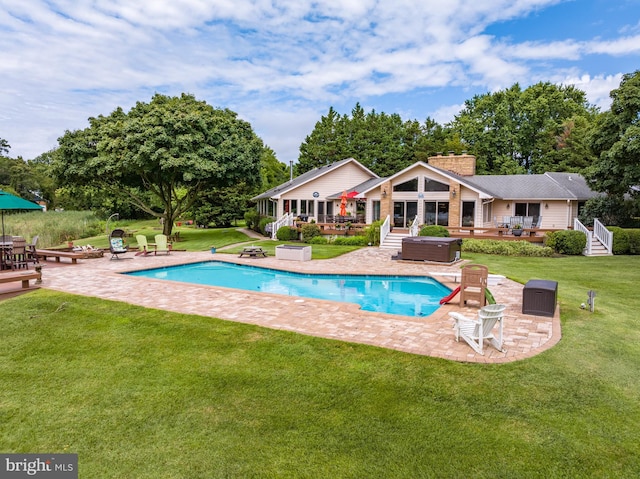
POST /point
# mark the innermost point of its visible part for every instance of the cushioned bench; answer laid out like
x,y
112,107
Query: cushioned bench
x,y
47,253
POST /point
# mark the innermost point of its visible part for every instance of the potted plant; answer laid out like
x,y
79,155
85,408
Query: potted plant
x,y
517,230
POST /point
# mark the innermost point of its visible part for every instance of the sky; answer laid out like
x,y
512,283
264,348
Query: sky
x,y
281,64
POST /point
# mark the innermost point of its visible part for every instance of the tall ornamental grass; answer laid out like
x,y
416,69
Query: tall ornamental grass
x,y
53,227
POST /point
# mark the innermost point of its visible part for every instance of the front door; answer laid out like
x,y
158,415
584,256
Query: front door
x,y
468,213
404,212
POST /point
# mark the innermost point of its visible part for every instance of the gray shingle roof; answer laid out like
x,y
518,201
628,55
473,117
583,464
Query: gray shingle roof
x,y
300,180
549,186
365,186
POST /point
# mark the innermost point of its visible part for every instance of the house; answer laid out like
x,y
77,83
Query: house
x,y
444,191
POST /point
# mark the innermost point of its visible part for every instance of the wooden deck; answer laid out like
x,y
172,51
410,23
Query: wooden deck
x,y
532,235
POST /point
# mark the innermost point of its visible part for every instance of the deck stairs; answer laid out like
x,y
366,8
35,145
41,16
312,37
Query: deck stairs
x,y
393,241
597,248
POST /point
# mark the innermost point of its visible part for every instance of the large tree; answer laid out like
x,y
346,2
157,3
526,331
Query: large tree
x,y
520,131
161,155
616,142
381,142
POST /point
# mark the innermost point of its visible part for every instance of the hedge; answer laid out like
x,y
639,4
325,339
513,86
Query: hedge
x,y
505,248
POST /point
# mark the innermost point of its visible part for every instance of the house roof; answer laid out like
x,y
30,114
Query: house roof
x,y
307,177
548,186
359,190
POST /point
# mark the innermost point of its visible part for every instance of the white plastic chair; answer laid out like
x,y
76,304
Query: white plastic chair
x,y
475,331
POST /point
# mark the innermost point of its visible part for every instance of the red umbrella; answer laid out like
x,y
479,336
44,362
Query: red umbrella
x,y
343,204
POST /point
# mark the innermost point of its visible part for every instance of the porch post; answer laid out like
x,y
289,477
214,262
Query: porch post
x,y
454,204
386,203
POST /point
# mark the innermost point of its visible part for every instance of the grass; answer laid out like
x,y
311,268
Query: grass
x,y
144,393
201,239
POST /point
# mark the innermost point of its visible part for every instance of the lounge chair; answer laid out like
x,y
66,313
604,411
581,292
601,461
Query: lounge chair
x,y
162,244
473,283
475,331
143,245
116,244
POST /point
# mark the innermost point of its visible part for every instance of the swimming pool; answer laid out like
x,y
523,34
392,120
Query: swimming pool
x,y
403,295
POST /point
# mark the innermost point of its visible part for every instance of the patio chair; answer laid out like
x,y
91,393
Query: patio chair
x,y
473,284
143,245
18,255
32,257
537,222
162,244
527,222
116,244
475,331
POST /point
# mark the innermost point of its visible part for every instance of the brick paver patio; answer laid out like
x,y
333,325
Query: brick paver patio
x,y
525,335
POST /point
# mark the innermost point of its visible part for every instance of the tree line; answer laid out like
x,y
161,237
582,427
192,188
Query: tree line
x,y
177,156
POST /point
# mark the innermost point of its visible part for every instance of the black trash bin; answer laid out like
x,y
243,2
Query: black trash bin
x,y
539,297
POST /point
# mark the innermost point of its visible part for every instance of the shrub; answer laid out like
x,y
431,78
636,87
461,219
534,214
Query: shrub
x,y
566,242
318,240
262,226
351,240
434,230
310,231
252,218
505,248
287,233
634,241
372,232
620,240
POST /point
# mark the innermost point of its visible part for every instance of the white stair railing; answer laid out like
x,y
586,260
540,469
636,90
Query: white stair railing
x,y
285,220
580,227
385,229
413,229
603,235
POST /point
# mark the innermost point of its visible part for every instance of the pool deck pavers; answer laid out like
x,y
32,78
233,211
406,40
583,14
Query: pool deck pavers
x,y
524,335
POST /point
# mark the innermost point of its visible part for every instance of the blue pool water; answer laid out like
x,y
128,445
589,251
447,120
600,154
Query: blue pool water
x,y
405,295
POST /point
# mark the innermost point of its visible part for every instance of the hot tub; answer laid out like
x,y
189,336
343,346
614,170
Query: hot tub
x,y
431,248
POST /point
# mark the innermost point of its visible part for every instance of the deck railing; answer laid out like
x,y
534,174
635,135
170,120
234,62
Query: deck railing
x,y
600,232
578,226
385,229
605,236
285,220
413,229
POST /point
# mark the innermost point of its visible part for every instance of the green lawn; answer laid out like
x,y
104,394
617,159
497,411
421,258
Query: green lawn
x,y
140,393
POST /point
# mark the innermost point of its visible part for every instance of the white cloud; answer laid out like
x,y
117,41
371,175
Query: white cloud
x,y
597,88
270,60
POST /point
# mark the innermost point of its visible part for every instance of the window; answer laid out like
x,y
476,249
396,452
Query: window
x,y
433,185
487,212
411,185
528,209
376,210
436,213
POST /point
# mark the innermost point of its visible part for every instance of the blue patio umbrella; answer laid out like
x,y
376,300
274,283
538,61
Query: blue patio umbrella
x,y
9,202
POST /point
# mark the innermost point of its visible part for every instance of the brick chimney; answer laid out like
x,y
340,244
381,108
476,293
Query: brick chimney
x,y
463,165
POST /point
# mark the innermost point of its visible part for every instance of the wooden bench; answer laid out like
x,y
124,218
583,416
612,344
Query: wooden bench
x,y
23,276
253,252
49,253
